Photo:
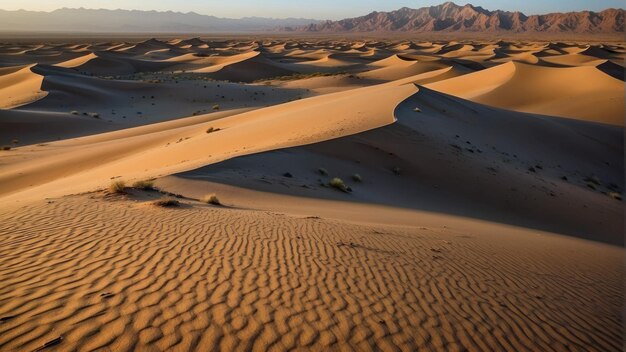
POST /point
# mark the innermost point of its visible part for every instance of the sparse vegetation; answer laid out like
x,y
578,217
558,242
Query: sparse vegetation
x,y
6,147
297,76
95,115
211,199
118,186
338,183
615,195
357,178
417,110
212,129
74,112
146,185
166,203
322,171
216,107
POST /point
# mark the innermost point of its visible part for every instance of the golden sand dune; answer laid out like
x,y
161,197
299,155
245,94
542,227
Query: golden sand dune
x,y
152,154
19,86
77,61
437,152
583,92
373,195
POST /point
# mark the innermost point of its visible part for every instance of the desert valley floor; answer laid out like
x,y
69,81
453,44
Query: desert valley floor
x,y
479,207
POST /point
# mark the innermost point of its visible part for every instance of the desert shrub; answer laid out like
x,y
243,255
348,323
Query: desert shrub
x,y
216,107
212,129
166,202
146,185
357,178
95,115
593,180
6,147
615,195
322,171
338,183
74,112
211,199
118,186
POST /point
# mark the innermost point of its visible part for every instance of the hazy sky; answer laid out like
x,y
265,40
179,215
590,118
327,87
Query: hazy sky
x,y
319,9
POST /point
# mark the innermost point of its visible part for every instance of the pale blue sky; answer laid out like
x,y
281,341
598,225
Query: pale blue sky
x,y
319,9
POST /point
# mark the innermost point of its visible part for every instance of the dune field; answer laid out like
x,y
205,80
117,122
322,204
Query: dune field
x,y
311,194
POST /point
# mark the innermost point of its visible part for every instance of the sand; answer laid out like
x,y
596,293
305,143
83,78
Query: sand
x,y
481,209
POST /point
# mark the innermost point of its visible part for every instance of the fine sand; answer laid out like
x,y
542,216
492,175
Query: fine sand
x,y
480,207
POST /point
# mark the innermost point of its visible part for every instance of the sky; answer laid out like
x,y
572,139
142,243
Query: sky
x,y
316,9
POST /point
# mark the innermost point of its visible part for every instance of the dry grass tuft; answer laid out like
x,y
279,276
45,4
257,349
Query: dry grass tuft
x,y
166,203
146,185
211,199
118,187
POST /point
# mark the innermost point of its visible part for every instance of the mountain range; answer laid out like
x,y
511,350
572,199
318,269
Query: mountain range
x,y
447,17
135,21
450,17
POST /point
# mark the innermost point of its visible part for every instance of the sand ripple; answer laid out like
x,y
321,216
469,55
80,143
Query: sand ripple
x,y
121,275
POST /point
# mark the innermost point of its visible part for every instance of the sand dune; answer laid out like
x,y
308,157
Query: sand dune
x,y
548,91
79,61
184,148
20,86
465,142
480,206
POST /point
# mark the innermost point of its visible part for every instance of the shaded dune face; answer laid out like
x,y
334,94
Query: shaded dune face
x,y
366,195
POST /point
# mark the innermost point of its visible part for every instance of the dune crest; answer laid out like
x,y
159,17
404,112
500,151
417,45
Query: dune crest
x,y
20,86
543,90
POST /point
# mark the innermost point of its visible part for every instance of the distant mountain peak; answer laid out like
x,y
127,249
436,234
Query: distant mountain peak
x,y
450,17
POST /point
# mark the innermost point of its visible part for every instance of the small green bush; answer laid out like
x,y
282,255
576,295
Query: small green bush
x,y
338,183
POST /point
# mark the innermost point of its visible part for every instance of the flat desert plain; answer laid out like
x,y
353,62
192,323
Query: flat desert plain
x,y
311,194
